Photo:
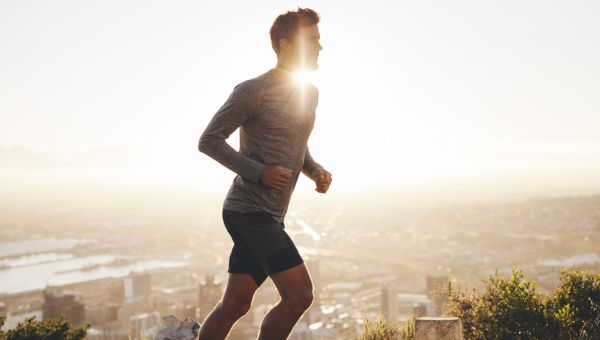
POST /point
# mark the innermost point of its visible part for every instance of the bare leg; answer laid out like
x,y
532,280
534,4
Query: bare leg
x,y
295,287
235,303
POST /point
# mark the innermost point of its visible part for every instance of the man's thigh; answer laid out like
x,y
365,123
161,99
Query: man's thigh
x,y
262,239
241,261
293,282
240,289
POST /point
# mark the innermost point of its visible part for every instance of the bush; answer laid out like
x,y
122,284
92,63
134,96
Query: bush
x,y
381,330
52,329
511,309
576,305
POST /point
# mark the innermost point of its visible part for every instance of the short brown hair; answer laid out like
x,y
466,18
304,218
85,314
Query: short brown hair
x,y
286,25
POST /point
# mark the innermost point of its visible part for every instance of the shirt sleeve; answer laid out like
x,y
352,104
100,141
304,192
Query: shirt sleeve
x,y
237,109
310,166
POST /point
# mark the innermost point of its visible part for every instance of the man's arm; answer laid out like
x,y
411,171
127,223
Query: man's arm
x,y
239,107
312,169
310,166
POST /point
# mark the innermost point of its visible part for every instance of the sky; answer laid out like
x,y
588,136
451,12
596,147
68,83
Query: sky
x,y
429,93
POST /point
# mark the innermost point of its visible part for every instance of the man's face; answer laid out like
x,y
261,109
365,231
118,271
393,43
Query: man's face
x,y
306,47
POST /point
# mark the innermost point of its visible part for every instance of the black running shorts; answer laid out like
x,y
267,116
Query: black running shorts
x,y
260,245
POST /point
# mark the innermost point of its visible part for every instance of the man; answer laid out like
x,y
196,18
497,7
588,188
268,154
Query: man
x,y
276,115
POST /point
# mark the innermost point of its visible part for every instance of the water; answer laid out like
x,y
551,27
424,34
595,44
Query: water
x,y
38,245
40,265
38,276
27,260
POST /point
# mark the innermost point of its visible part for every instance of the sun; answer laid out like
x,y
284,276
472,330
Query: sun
x,y
305,76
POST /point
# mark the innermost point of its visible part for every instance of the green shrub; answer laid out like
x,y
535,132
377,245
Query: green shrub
x,y
576,305
382,330
511,309
52,329
408,331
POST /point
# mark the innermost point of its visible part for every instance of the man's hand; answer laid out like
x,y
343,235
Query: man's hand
x,y
276,177
323,179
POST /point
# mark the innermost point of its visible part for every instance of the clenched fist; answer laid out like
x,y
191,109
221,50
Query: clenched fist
x,y
276,177
322,179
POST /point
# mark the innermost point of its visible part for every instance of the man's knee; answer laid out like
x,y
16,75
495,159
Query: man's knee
x,y
300,302
235,309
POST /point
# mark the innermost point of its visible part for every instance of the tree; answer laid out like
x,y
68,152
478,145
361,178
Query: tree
x,y
51,329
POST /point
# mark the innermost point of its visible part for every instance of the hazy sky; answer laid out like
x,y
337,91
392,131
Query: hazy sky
x,y
410,92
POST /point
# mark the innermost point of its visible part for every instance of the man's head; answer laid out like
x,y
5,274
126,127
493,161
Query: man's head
x,y
295,38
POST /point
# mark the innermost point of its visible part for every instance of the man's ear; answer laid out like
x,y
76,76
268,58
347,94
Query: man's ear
x,y
284,44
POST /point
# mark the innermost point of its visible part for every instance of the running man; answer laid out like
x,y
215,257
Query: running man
x,y
276,115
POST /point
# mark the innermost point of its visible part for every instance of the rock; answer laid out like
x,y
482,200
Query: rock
x,y
174,328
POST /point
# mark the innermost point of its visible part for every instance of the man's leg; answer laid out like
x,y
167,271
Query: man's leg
x,y
234,304
295,287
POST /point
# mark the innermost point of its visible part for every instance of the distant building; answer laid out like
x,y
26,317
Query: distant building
x,y
103,320
116,292
144,325
209,294
98,315
57,302
180,298
137,285
409,302
389,303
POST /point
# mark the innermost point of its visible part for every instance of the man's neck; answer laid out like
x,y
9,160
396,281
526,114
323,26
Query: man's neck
x,y
286,69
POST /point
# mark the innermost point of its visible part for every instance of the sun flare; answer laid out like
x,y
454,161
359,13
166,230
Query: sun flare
x,y
305,77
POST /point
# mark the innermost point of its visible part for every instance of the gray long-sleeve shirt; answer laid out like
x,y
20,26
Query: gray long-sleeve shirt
x,y
276,116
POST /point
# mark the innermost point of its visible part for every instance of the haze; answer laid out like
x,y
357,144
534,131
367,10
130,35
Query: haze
x,y
485,97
